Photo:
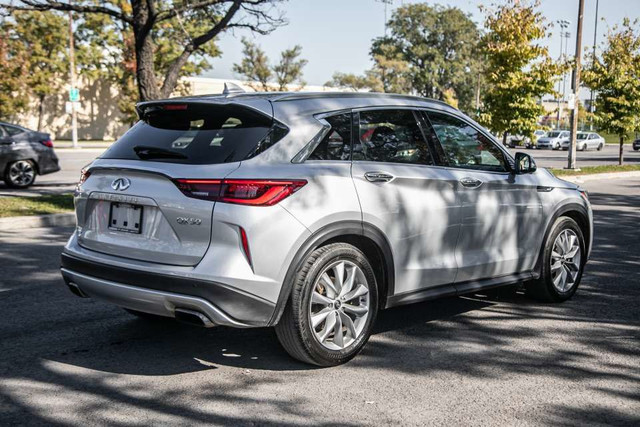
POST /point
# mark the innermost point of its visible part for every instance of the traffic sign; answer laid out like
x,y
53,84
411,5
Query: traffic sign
x,y
74,94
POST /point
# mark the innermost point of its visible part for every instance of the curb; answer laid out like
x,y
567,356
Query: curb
x,y
600,176
37,221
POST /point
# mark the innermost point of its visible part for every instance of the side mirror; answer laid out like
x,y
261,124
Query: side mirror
x,y
525,164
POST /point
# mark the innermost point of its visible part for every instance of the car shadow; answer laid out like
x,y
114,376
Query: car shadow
x,y
48,335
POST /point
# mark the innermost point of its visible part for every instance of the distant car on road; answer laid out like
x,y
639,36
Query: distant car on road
x,y
24,154
553,139
533,142
586,141
514,141
636,144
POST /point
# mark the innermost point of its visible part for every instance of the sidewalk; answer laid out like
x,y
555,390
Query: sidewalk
x,y
82,145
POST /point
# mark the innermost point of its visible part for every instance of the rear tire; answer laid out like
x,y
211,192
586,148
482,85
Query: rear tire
x,y
563,260
20,174
584,147
320,324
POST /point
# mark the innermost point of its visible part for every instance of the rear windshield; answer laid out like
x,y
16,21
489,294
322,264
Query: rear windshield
x,y
197,134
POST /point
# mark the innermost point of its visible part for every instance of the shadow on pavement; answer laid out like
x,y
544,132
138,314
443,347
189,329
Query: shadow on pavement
x,y
590,343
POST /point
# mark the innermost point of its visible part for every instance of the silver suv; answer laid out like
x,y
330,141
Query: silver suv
x,y
313,212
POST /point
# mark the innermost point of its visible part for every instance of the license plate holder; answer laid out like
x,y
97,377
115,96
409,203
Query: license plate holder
x,y
125,217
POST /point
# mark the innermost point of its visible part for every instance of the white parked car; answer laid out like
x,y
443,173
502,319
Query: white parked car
x,y
586,141
554,139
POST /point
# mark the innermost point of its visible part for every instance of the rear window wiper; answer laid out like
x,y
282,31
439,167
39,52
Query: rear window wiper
x,y
146,153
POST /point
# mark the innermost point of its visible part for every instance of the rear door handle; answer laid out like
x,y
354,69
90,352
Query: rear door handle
x,y
378,176
470,182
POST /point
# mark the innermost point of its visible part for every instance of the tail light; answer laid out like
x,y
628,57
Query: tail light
x,y
47,143
253,192
84,174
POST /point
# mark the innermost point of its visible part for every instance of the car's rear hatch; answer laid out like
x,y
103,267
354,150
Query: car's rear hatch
x,y
130,205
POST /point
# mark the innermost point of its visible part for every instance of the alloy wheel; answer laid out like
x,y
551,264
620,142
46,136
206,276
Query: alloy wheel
x,y
339,305
565,260
21,173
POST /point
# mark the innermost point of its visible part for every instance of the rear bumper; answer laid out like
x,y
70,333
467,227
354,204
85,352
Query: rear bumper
x,y
163,294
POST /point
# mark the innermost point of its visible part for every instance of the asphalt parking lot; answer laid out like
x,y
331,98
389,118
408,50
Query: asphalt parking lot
x,y
477,360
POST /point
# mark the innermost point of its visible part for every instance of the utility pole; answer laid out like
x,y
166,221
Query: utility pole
x,y
595,41
575,85
563,24
386,4
72,83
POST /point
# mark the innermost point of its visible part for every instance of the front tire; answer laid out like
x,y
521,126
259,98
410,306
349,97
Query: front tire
x,y
20,174
600,147
563,260
332,308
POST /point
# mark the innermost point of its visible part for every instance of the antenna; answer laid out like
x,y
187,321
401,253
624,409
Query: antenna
x,y
230,88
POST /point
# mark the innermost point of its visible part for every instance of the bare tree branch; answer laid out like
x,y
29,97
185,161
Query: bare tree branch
x,y
57,5
173,72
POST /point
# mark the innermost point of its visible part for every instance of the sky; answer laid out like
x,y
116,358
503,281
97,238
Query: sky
x,y
336,35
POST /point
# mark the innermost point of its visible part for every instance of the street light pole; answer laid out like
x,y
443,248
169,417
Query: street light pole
x,y
575,85
563,24
595,41
72,82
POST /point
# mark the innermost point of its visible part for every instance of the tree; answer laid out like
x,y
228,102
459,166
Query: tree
x,y
387,75
518,69
255,68
45,37
289,69
191,24
13,71
616,78
438,45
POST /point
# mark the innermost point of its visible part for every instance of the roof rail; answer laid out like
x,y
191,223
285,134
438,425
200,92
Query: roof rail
x,y
290,96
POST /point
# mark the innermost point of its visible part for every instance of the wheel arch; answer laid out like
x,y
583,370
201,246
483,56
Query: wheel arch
x,y
367,238
574,211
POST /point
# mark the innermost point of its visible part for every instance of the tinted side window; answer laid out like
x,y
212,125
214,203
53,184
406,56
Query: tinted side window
x,y
391,136
464,146
336,145
12,130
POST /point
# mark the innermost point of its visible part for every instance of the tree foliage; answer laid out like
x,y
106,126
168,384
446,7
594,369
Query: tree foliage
x,y
388,74
166,34
615,75
37,64
255,67
518,69
13,70
438,47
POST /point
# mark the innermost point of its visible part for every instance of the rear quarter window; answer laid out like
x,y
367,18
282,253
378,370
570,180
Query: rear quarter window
x,y
197,134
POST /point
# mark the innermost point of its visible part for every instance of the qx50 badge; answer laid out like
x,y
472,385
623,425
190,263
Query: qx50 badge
x,y
188,221
120,184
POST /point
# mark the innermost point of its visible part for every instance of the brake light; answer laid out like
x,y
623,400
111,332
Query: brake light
x,y
253,192
174,107
47,143
84,174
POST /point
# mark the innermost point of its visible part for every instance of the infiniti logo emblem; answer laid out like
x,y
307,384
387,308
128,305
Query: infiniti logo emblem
x,y
120,184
